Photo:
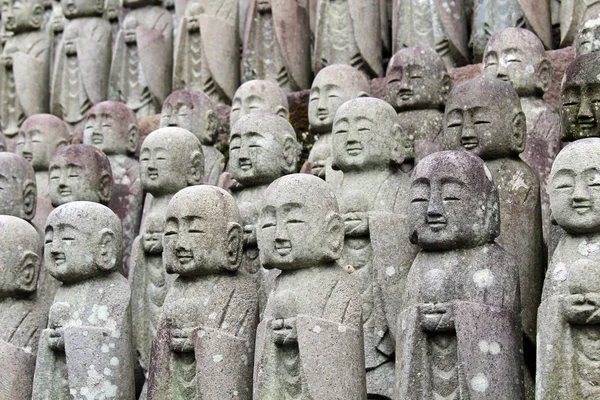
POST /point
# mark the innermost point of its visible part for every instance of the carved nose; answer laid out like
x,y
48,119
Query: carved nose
x,y
434,209
585,111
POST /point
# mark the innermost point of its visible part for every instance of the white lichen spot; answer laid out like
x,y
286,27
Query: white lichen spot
x,y
317,329
403,324
201,333
111,345
235,393
484,346
494,348
560,272
85,333
213,316
73,392
529,69
483,278
380,334
342,328
217,358
598,77
114,361
586,248
390,271
479,383
107,371
105,348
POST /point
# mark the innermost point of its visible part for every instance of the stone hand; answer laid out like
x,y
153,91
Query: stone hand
x,y
356,224
284,330
436,317
182,340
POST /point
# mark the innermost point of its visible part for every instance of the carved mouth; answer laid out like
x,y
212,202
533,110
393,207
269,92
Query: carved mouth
x,y
587,125
65,192
245,164
354,149
469,143
406,94
184,256
59,258
283,249
436,224
28,156
97,138
582,208
323,115
153,174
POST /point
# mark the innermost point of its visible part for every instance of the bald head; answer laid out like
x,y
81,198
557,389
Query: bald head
x,y
40,136
192,110
258,96
111,126
588,38
27,16
18,196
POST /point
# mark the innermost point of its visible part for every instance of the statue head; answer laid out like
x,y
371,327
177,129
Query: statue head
x,y
333,86
82,8
417,79
130,25
574,187
580,97
258,97
454,202
517,56
80,173
262,147
40,136
70,40
192,12
20,257
83,240
18,191
484,117
111,127
588,38
367,137
299,224
20,16
170,159
151,237
192,110
111,10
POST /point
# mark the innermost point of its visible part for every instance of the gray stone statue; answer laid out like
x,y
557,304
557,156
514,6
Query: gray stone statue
x,y
80,173
86,350
588,38
56,29
333,86
277,44
207,56
82,65
194,111
309,343
18,196
459,330
567,364
25,64
439,25
348,32
484,117
258,96
142,64
204,346
517,56
417,85
573,15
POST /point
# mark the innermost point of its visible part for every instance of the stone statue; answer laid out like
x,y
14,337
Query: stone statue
x,y
258,96
568,316
86,349
204,346
484,117
459,331
21,318
111,14
40,136
277,44
375,158
491,16
56,27
573,15
439,25
588,38
80,173
194,111
348,32
417,85
310,332
25,64
18,192
333,86
517,56
82,65
142,64
207,54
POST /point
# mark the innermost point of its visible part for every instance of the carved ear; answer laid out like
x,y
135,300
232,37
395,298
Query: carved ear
x,y
27,276
107,252
37,16
29,200
403,147
234,246
105,190
211,125
291,151
133,137
335,235
544,73
283,112
519,132
196,170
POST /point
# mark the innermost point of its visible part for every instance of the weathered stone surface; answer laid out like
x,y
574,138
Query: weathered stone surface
x,y
2,142
258,96
588,38
309,332
459,330
573,15
18,196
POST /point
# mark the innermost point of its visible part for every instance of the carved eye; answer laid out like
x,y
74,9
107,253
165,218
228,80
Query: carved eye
x,y
451,198
170,233
364,130
513,60
455,124
416,77
295,221
395,80
268,225
195,230
481,122
419,200
255,146
571,103
564,186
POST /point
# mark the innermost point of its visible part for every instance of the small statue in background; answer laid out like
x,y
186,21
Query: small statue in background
x,y
573,15
258,97
588,38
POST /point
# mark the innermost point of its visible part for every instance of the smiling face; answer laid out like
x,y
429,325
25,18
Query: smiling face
x,y
40,136
191,110
111,127
82,8
258,97
22,15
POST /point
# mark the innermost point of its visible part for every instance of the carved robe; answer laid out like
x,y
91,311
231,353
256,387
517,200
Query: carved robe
x,y
207,59
277,45
573,15
140,75
24,86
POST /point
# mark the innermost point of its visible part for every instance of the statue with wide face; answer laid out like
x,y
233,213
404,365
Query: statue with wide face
x,y
25,64
258,96
211,312
207,54
87,346
568,316
311,328
194,111
573,15
588,38
277,44
348,32
484,117
142,65
417,85
18,196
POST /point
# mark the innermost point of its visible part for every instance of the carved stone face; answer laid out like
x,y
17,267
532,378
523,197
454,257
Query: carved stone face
x,y
454,203
299,225
82,8
20,256
70,41
82,240
111,127
153,233
517,56
333,86
416,79
258,97
22,15
170,160
17,187
191,110
263,5
588,39
40,136
129,29
484,117
203,234
192,11
80,173
574,188
262,147
580,97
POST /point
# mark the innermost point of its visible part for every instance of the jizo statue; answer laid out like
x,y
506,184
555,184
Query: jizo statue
x,y
573,15
258,96
18,196
588,38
